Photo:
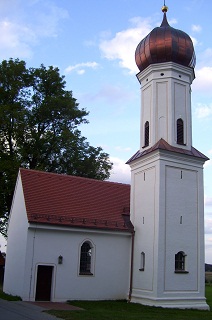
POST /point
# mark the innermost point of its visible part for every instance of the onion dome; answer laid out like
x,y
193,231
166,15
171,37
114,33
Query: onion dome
x,y
165,44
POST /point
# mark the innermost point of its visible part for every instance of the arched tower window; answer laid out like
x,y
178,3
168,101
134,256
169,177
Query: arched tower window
x,y
142,266
180,131
85,258
180,261
146,134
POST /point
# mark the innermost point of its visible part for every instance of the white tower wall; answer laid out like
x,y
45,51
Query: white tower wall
x,y
167,195
165,94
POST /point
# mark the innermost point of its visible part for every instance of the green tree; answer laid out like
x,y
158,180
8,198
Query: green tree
x,y
39,122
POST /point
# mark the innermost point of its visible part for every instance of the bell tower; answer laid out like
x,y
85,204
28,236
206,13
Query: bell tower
x,y
167,197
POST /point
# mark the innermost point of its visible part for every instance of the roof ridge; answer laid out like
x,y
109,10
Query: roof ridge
x,y
69,176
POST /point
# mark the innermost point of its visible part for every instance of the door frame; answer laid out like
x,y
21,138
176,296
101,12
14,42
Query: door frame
x,y
52,281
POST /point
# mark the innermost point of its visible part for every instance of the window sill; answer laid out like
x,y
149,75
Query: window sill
x,y
86,273
181,144
181,271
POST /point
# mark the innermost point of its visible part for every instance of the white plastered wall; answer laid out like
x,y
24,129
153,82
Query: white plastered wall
x,y
110,258
166,97
16,244
167,213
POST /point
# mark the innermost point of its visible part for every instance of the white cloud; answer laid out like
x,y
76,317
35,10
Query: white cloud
x,y
111,94
208,201
48,20
15,40
119,148
173,21
122,46
18,37
203,111
81,71
205,60
203,81
208,163
79,67
208,225
194,40
120,172
116,48
196,28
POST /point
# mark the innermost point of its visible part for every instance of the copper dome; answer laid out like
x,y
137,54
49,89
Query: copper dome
x,y
164,44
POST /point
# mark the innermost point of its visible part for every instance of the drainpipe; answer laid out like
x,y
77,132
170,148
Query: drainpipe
x,y
131,266
32,261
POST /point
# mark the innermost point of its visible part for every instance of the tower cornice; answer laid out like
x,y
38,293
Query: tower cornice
x,y
176,70
163,146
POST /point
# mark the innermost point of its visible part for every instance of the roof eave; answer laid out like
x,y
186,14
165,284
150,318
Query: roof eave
x,y
162,145
36,224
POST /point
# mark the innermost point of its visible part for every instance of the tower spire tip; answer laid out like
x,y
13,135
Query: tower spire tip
x,y
164,7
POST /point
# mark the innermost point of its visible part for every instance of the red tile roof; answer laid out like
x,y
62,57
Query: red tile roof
x,y
74,201
163,145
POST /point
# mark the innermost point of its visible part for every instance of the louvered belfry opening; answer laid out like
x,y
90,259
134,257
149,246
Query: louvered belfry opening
x,y
180,133
146,134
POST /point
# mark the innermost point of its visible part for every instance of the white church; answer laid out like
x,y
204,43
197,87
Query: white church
x,y
73,238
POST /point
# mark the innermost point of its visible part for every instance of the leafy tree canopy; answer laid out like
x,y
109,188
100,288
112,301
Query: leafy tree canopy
x,y
39,122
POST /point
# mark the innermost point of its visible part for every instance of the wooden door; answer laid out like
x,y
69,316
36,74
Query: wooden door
x,y
44,283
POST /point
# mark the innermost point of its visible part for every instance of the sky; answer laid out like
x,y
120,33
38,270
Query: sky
x,y
93,44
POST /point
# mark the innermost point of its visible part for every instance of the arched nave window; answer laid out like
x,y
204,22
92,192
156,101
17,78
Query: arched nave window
x,y
86,261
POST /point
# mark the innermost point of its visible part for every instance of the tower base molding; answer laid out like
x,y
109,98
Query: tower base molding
x,y
177,303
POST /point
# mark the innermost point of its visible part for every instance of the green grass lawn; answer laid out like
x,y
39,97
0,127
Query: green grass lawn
x,y
8,297
116,310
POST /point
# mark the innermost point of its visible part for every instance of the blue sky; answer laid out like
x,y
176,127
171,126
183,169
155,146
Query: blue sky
x,y
93,44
